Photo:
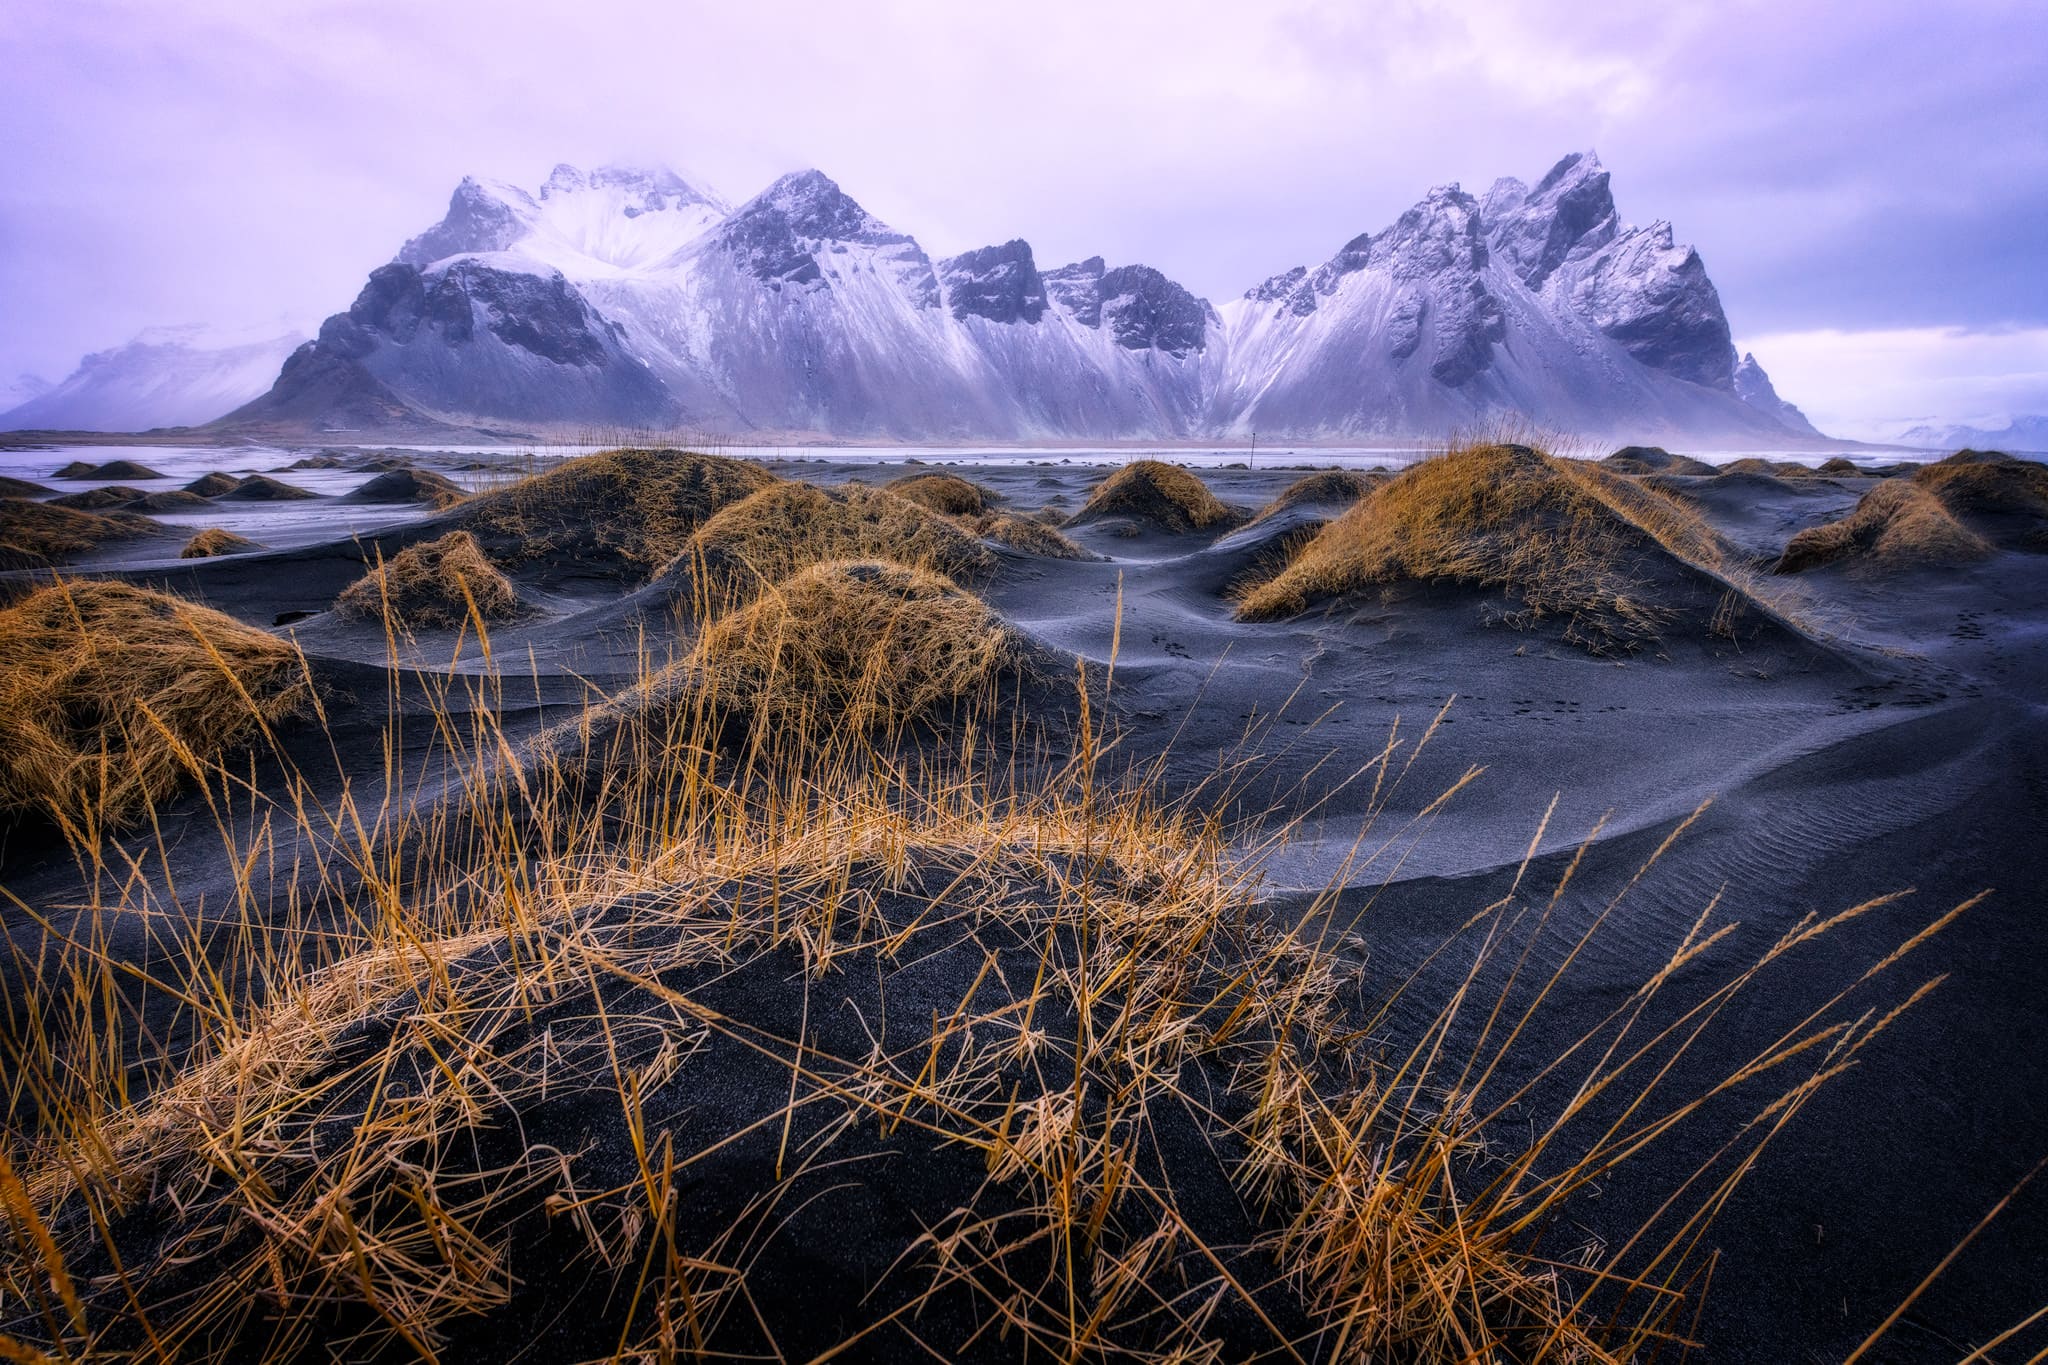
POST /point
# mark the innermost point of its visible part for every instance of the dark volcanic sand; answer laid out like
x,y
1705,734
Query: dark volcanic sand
x,y
1897,744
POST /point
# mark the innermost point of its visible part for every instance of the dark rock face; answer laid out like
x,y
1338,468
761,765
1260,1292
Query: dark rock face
x,y
1438,251
999,283
1656,300
1078,289
1570,210
1143,309
477,220
541,314
776,236
1754,387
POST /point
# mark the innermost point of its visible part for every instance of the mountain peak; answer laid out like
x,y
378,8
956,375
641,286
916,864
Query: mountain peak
x,y
1570,212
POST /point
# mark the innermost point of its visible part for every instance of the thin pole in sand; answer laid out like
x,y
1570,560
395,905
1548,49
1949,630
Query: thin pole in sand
x,y
1252,460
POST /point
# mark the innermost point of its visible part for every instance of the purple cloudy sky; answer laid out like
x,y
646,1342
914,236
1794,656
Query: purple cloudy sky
x,y
1868,182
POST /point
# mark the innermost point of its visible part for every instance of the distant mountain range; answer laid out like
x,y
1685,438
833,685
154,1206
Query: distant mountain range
x,y
2028,434
631,298
166,377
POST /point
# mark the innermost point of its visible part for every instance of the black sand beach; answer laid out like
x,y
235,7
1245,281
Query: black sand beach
x,y
1842,735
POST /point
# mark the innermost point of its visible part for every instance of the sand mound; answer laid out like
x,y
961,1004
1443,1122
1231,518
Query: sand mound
x,y
1896,525
1164,496
1564,538
1329,488
947,493
768,536
1028,534
632,510
19,488
212,485
119,497
263,488
100,499
869,642
1654,460
317,462
409,485
1839,468
214,541
1995,495
109,692
431,586
33,534
113,469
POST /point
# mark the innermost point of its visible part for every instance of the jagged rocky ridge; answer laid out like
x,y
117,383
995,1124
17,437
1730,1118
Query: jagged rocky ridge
x,y
633,298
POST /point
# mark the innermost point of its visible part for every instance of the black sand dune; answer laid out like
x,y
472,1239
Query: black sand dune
x,y
1853,740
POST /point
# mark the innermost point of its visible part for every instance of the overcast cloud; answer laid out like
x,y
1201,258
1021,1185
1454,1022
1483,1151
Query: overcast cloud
x,y
1875,174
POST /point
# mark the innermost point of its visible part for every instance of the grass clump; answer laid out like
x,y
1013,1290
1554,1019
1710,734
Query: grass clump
x,y
263,488
766,537
1998,496
432,586
410,485
1162,495
111,696
216,541
1896,525
871,642
35,534
112,469
11,487
1031,535
946,493
632,511
1654,460
212,484
1329,487
1565,538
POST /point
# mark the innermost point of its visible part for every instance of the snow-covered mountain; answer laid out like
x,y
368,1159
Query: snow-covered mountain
x,y
2027,433
631,297
166,377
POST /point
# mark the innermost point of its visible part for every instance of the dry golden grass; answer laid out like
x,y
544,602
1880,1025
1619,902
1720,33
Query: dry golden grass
x,y
1164,495
216,541
497,1098
1973,482
433,586
1839,468
638,507
764,538
1332,486
947,493
212,484
868,642
1564,538
34,534
1654,460
1028,534
1751,465
112,696
1896,525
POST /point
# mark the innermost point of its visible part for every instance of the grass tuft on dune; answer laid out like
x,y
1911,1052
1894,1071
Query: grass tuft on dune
x,y
1162,495
769,535
1028,534
436,585
216,541
111,696
866,641
1896,525
946,493
1564,538
36,534
1330,487
1994,493
634,509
